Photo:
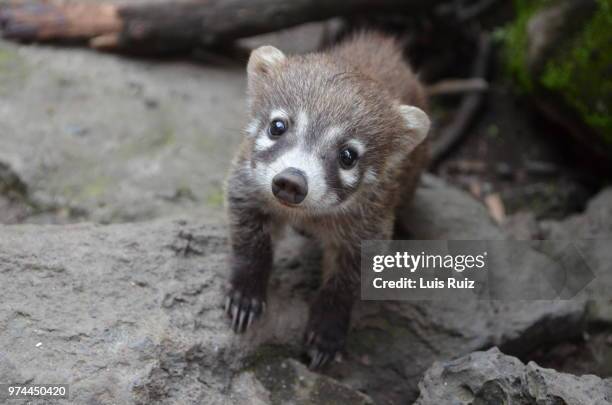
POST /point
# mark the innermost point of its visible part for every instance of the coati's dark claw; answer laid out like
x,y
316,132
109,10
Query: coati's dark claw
x,y
326,331
243,310
319,359
322,351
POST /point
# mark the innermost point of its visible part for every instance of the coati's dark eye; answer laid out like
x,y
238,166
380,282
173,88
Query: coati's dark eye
x,y
348,158
277,128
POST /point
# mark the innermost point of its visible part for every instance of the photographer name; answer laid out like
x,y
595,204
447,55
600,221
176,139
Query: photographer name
x,y
421,283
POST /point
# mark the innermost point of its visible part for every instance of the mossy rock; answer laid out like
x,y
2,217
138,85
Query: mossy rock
x,y
560,51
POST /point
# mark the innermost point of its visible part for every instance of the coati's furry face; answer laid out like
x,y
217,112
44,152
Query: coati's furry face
x,y
321,132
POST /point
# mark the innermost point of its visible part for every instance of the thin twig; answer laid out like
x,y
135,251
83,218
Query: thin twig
x,y
450,136
456,86
469,12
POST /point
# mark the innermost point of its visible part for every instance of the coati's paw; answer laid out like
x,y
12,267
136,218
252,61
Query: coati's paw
x,y
243,306
323,346
325,336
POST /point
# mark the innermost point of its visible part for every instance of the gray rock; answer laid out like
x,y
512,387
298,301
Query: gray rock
x,y
594,223
130,313
113,139
443,212
493,378
522,226
591,232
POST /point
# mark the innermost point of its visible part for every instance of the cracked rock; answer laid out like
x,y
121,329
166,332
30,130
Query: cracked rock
x,y
493,378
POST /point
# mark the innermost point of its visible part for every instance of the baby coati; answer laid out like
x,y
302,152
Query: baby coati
x,y
334,144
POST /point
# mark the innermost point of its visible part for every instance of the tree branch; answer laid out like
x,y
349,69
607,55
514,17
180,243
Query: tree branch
x,y
177,26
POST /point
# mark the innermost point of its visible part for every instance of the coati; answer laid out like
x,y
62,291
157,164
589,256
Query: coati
x,y
334,143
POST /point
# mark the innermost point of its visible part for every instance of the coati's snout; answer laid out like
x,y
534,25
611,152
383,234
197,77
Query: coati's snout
x,y
290,186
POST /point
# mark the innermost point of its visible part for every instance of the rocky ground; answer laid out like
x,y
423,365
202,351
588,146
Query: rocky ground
x,y
129,312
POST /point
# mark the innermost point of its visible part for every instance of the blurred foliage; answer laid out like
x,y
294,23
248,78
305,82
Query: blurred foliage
x,y
515,42
580,70
583,75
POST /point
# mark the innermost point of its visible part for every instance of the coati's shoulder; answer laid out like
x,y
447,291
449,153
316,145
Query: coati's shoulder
x,y
380,57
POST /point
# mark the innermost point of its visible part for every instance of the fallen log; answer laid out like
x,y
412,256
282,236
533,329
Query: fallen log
x,y
172,26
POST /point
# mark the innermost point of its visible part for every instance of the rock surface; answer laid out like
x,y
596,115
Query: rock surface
x,y
131,313
112,139
493,378
592,233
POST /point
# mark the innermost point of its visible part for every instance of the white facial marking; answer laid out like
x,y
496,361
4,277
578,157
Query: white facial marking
x,y
263,142
301,157
279,113
329,136
301,124
301,160
251,128
358,146
349,177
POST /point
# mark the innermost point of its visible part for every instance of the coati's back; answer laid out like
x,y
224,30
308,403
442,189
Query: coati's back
x,y
380,57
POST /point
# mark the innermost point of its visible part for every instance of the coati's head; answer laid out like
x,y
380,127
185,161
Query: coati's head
x,y
321,132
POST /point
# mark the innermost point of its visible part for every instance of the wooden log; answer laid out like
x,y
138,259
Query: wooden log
x,y
176,26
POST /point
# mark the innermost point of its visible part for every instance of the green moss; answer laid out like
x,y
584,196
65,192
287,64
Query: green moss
x,y
515,40
97,187
279,379
579,71
152,143
13,69
582,71
328,393
267,354
166,138
5,57
215,198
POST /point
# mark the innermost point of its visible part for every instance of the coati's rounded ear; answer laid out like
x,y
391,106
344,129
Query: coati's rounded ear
x,y
417,122
263,59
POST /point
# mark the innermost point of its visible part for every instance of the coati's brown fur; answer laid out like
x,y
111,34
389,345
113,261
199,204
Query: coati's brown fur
x,y
335,146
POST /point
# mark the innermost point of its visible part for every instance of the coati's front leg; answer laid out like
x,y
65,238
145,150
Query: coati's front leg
x,y
330,312
250,260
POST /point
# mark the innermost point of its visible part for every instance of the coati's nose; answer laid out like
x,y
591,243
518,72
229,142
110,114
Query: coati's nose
x,y
290,186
